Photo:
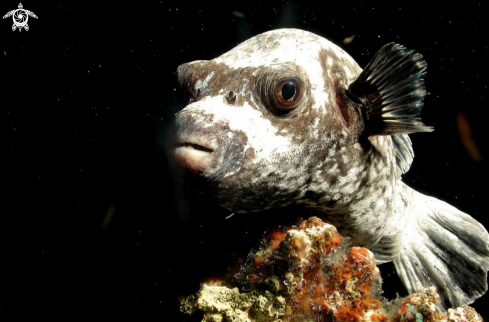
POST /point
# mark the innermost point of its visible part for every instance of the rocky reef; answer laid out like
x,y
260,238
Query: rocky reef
x,y
311,273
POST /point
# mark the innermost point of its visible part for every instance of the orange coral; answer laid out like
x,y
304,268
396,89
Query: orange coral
x,y
324,279
308,273
276,238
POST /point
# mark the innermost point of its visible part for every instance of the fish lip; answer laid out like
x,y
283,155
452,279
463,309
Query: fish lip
x,y
194,155
207,148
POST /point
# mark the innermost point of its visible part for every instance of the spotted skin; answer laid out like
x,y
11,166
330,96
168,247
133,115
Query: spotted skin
x,y
310,156
237,145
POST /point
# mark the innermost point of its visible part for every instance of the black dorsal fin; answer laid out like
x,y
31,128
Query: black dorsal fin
x,y
391,92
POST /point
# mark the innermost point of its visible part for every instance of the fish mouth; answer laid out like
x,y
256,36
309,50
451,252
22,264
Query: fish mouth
x,y
194,157
194,146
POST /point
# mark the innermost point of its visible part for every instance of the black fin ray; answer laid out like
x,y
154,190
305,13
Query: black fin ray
x,y
391,92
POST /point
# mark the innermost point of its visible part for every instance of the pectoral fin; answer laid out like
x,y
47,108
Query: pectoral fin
x,y
390,91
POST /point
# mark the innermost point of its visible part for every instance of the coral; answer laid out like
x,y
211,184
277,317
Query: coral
x,y
310,273
225,304
423,307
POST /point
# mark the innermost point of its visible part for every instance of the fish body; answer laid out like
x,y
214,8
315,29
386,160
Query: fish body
x,y
288,118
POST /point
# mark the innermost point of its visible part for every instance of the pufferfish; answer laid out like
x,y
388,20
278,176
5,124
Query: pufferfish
x,y
287,118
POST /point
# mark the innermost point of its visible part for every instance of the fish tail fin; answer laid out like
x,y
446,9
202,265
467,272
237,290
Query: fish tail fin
x,y
445,248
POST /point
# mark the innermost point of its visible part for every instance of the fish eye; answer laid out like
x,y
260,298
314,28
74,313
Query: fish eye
x,y
287,94
287,91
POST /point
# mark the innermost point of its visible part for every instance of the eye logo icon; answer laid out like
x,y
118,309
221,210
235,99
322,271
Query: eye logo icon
x,y
20,17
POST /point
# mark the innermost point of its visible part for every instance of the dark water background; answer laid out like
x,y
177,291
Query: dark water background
x,y
90,222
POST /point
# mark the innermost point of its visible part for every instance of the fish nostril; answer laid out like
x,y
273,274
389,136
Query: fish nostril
x,y
231,97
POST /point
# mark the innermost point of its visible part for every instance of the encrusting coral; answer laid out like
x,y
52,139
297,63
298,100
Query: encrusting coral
x,y
310,273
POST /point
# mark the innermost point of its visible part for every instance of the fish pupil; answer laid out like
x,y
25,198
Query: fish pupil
x,y
285,95
288,91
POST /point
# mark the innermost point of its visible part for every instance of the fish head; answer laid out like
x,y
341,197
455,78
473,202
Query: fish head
x,y
267,121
